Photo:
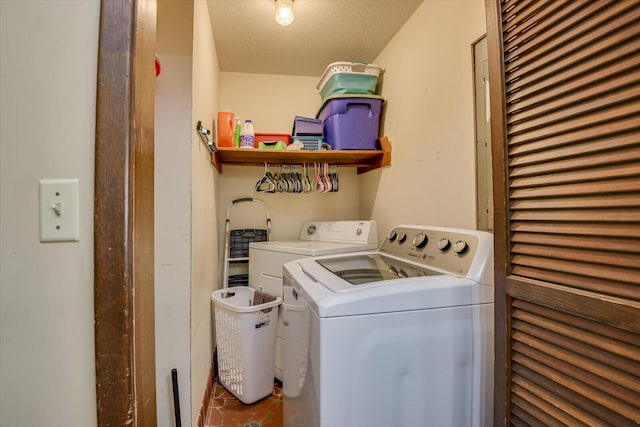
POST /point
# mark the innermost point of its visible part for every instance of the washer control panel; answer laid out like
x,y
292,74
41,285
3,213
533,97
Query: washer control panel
x,y
355,232
452,250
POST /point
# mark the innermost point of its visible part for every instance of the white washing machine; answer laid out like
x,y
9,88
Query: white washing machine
x,y
316,238
402,336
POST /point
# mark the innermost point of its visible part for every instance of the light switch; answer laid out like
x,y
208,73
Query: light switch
x,y
59,210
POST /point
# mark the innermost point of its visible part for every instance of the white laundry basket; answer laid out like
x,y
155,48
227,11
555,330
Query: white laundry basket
x,y
245,336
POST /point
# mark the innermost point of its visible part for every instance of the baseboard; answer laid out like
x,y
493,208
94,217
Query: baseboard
x,y
206,398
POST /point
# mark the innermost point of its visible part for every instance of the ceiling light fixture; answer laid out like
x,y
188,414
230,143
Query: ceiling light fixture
x,y
284,12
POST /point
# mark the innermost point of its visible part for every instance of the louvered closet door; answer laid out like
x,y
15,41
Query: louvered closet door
x,y
565,103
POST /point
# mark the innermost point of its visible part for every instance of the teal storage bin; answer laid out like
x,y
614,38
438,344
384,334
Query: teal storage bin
x,y
349,83
341,78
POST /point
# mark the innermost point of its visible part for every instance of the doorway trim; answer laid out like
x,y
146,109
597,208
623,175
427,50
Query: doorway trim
x,y
123,215
482,146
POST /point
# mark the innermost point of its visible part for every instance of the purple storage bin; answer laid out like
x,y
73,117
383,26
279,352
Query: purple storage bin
x,y
351,123
306,126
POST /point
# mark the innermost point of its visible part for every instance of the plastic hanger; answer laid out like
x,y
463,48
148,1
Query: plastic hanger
x,y
334,178
319,180
265,184
327,180
308,186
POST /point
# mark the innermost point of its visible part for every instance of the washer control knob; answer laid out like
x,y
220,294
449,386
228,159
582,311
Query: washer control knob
x,y
444,244
392,235
402,237
311,229
420,241
460,247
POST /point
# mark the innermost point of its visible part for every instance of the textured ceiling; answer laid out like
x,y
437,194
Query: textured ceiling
x,y
324,31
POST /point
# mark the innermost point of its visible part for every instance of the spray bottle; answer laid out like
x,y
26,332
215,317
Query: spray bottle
x,y
236,133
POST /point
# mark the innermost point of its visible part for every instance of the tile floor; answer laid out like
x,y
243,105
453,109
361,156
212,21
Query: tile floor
x,y
227,411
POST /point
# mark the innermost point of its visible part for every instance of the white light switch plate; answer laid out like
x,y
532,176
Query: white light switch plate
x,y
59,210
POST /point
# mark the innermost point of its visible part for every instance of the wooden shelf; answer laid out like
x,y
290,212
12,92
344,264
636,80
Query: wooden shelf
x,y
364,160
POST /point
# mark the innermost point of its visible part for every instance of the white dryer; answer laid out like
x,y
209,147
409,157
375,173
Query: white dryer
x,y
316,238
401,336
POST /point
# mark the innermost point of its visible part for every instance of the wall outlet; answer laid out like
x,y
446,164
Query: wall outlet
x,y
59,210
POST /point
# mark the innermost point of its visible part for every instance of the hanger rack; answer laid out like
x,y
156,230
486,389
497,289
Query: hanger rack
x,y
299,178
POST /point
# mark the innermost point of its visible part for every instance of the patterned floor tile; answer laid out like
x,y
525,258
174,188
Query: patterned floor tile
x,y
227,411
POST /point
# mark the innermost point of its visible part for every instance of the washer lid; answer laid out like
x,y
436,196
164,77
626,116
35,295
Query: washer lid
x,y
310,247
331,296
348,272
365,269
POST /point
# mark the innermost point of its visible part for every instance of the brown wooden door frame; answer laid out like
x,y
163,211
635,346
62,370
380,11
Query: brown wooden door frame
x,y
123,215
500,184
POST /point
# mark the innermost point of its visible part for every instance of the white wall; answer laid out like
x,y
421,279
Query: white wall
x,y
48,63
204,248
428,85
272,102
173,222
186,233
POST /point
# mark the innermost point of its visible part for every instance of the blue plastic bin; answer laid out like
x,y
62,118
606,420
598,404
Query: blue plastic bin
x,y
351,122
310,142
